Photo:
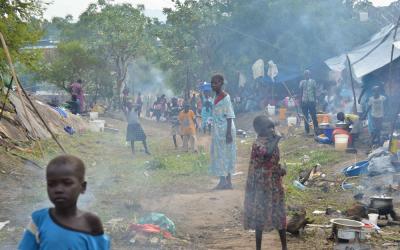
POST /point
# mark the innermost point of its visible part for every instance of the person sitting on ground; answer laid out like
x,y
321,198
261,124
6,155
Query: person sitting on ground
x,y
264,204
375,113
343,128
134,131
64,226
188,124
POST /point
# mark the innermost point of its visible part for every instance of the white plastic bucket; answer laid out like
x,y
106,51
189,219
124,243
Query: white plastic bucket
x,y
97,125
93,115
373,218
341,142
271,110
292,121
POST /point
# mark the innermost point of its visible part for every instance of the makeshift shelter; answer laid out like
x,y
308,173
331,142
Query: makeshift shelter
x,y
14,125
369,56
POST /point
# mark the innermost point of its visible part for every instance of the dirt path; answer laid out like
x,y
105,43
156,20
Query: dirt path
x,y
213,219
205,219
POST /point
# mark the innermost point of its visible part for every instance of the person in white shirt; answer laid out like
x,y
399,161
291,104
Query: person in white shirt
x,y
376,112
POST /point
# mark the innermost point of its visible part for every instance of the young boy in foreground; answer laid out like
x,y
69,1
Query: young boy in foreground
x,y
64,226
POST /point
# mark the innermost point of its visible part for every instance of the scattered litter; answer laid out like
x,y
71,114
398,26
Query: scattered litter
x,y
111,130
238,173
160,220
318,212
94,164
380,164
150,229
3,224
298,185
115,221
305,159
70,130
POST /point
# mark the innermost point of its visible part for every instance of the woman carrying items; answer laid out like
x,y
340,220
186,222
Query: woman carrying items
x,y
223,136
134,131
264,204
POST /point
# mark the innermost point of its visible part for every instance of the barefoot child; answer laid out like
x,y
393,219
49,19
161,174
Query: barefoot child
x,y
264,205
188,124
64,226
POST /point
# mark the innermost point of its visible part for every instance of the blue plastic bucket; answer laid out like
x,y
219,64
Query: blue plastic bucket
x,y
357,169
328,132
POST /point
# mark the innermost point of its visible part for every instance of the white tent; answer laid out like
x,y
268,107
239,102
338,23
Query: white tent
x,y
369,56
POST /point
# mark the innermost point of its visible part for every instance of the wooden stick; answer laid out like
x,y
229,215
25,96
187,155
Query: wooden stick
x,y
391,80
352,86
14,75
43,121
291,96
5,99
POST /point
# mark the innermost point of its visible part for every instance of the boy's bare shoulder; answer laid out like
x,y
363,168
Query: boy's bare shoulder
x,y
94,223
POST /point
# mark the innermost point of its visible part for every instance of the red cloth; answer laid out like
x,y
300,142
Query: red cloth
x,y
340,131
219,98
150,229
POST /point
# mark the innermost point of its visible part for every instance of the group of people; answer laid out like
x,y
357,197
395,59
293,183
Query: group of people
x,y
373,110
66,227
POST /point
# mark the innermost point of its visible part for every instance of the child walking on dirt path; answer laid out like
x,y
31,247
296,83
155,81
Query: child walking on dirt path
x,y
64,226
188,124
264,204
134,131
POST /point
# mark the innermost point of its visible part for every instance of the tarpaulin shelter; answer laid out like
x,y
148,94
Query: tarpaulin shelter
x,y
369,56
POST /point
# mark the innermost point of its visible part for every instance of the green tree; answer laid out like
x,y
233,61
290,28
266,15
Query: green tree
x,y
20,25
117,33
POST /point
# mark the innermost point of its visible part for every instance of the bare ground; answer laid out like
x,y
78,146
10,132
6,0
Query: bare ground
x,y
205,219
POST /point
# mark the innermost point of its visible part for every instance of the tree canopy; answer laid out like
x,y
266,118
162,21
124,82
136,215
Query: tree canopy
x,y
199,38
20,24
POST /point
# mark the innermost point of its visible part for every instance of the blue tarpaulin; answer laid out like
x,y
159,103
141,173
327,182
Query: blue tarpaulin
x,y
205,87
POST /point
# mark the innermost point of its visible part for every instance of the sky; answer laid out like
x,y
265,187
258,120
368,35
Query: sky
x,y
62,8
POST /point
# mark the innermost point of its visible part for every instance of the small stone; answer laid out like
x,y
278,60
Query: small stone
x,y
154,241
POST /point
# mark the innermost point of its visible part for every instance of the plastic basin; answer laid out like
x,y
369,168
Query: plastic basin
x,y
356,169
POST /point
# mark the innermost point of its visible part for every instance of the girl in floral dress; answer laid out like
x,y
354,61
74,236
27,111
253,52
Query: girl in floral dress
x,y
264,205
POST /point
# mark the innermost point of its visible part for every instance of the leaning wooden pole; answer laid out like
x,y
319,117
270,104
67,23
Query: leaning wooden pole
x,y
43,121
14,75
352,86
391,81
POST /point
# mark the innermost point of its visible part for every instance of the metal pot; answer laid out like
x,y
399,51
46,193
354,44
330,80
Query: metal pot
x,y
383,204
344,229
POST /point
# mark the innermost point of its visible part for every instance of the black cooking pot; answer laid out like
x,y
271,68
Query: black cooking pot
x,y
384,205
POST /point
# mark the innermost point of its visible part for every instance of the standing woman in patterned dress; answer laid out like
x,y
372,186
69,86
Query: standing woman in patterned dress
x,y
223,136
264,204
